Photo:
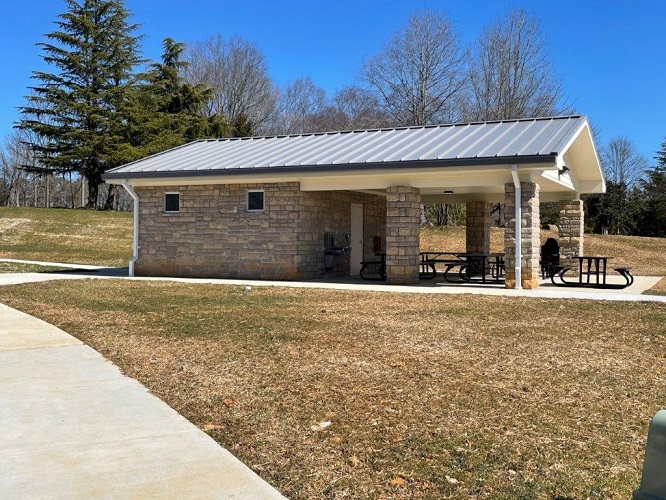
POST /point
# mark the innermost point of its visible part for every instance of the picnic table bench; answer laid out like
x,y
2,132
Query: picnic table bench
x,y
468,264
592,273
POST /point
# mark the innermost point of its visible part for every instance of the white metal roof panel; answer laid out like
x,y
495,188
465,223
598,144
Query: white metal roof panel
x,y
485,141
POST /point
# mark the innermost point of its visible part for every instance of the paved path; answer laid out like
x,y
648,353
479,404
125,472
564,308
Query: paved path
x,y
633,293
72,426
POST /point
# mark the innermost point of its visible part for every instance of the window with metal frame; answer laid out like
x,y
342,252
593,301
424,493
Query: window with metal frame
x,y
171,203
255,201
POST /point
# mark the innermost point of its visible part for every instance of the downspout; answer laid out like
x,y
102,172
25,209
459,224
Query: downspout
x,y
518,227
135,234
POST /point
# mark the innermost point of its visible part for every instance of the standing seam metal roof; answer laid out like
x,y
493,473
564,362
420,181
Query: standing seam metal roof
x,y
477,142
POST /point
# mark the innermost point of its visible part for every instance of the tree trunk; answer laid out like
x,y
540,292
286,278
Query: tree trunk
x,y
110,198
93,192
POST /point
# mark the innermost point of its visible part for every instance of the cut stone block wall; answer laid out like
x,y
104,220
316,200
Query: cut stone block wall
x,y
530,234
403,209
214,235
572,220
478,227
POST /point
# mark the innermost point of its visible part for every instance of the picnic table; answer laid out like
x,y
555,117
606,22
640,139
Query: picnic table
x,y
471,267
592,273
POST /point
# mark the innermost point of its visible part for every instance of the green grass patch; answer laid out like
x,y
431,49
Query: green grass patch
x,y
65,235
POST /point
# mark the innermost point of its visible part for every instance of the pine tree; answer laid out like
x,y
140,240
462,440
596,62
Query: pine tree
x,y
163,111
661,155
77,109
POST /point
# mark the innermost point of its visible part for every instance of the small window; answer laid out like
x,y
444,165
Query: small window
x,y
255,201
172,202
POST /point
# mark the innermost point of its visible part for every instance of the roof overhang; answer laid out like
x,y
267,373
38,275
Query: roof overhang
x,y
564,174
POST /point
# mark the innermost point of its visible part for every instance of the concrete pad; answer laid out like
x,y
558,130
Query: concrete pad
x,y
73,426
436,286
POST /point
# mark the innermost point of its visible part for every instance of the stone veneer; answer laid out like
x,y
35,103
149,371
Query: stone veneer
x,y
571,224
477,227
403,212
530,234
214,235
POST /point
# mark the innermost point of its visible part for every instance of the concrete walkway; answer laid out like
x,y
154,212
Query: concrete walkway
x,y
547,290
72,426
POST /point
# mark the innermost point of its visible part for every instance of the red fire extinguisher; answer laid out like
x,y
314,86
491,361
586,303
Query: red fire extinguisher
x,y
377,244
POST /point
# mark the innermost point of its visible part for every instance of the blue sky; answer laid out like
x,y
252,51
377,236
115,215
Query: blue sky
x,y
610,55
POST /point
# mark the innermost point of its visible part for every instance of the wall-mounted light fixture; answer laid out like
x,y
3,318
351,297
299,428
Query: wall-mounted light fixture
x,y
563,171
448,191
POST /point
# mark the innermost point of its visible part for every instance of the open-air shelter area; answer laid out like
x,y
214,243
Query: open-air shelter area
x,y
315,205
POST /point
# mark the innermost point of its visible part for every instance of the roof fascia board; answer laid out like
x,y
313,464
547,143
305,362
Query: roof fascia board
x,y
376,178
305,169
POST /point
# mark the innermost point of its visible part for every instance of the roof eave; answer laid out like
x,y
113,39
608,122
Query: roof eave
x,y
410,164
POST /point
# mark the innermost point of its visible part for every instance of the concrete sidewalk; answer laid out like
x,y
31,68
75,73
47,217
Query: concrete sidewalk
x,y
74,427
547,290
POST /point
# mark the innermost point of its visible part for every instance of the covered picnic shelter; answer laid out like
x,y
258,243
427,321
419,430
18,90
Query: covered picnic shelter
x,y
359,185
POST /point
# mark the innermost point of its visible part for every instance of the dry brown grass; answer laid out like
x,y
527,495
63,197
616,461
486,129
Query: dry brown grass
x,y
71,236
645,256
428,396
659,288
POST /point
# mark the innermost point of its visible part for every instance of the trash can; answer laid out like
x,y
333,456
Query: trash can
x,y
653,482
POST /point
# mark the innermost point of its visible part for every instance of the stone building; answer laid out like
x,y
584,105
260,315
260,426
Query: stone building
x,y
269,207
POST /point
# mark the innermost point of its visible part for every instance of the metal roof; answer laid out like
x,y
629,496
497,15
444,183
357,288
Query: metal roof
x,y
486,143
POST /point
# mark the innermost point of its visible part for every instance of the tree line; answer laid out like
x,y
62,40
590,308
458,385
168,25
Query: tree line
x,y
102,105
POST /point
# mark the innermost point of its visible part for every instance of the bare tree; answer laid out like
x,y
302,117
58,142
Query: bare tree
x,y
621,163
511,74
236,70
358,108
417,75
15,157
298,106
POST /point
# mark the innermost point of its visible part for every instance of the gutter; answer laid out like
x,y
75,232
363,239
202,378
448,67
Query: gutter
x,y
135,233
518,228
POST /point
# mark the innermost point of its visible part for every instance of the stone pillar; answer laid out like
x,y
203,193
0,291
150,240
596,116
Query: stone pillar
x,y
402,235
572,220
530,233
478,227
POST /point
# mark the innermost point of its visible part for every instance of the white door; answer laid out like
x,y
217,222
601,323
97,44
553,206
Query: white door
x,y
356,254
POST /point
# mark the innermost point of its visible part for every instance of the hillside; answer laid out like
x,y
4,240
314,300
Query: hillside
x,y
105,238
65,235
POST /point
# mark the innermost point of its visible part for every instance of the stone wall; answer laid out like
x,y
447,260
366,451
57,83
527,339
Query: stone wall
x,y
477,232
403,206
214,235
571,231
530,234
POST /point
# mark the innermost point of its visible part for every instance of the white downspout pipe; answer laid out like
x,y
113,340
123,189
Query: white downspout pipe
x,y
518,227
135,234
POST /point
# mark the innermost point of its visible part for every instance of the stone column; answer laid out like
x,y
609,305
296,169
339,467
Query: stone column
x,y
402,235
572,220
478,227
531,241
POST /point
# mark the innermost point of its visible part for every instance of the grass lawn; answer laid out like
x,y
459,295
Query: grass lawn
x,y
427,396
64,235
659,288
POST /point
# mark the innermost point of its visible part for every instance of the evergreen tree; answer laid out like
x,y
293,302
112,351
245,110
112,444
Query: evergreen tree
x,y
76,110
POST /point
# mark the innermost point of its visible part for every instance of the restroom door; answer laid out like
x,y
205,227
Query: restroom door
x,y
356,253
